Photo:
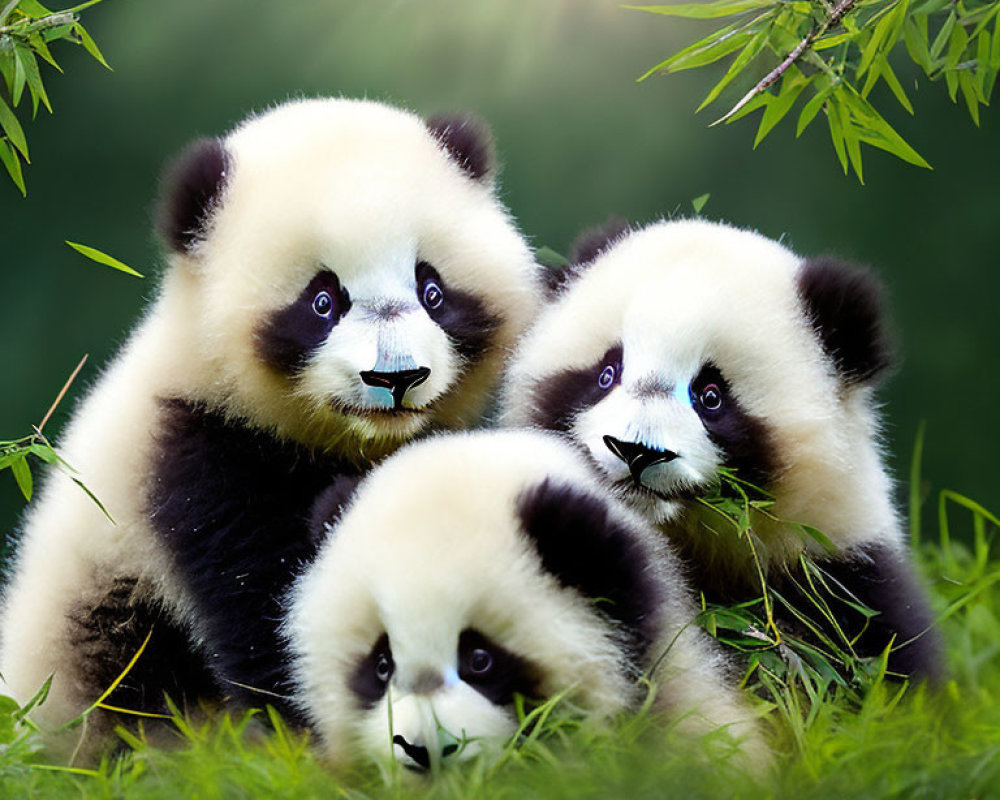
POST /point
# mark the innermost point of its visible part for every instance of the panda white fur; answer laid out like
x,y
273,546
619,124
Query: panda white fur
x,y
342,277
674,350
473,566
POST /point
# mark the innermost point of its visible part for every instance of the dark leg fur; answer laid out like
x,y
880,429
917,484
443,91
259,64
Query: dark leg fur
x,y
883,580
109,634
232,504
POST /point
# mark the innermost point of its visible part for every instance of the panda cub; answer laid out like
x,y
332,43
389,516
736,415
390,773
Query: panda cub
x,y
342,277
472,567
688,346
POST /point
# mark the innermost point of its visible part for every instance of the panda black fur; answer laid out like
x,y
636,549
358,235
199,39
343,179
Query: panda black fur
x,y
342,278
674,350
473,566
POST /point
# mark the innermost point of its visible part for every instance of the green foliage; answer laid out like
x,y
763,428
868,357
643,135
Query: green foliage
x,y
14,455
830,56
27,28
103,258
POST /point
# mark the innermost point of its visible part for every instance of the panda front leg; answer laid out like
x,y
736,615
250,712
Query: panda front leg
x,y
232,506
881,578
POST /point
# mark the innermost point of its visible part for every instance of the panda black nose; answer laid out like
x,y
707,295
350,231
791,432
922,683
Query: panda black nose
x,y
419,753
637,456
399,383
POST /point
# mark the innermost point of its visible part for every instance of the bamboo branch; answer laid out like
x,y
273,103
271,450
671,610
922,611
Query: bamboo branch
x,y
836,14
62,394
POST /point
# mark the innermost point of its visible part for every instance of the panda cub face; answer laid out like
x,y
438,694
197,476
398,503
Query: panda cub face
x,y
467,570
704,347
347,269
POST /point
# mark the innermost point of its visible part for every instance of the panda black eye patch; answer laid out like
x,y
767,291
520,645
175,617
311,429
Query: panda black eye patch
x,y
288,336
492,670
560,397
371,676
744,439
464,317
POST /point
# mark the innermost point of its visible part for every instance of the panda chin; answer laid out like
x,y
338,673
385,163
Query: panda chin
x,y
386,424
652,503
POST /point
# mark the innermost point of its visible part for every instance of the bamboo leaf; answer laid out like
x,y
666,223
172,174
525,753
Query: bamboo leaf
x,y
872,79
7,63
916,44
13,164
59,32
877,132
749,53
720,8
103,258
851,141
78,8
898,20
995,54
20,80
709,54
708,41
967,82
12,128
38,43
22,474
750,107
894,85
943,36
871,49
93,497
836,132
716,45
989,82
982,65
30,64
994,13
90,45
44,452
811,109
957,43
791,87
931,7
819,537
699,202
33,8
826,42
548,257
951,79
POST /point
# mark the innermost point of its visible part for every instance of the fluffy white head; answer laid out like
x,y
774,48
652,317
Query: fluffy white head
x,y
469,568
689,346
343,268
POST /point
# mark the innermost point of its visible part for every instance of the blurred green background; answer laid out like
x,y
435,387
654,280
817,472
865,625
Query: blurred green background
x,y
579,139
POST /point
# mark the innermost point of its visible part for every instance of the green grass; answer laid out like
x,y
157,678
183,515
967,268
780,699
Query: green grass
x,y
834,734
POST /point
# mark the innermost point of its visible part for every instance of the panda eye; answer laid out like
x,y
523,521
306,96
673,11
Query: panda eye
x,y
481,661
607,377
710,397
432,296
383,668
323,304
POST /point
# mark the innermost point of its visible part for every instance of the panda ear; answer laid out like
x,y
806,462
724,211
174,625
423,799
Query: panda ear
x,y
469,143
587,547
584,250
330,506
591,243
190,189
844,305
